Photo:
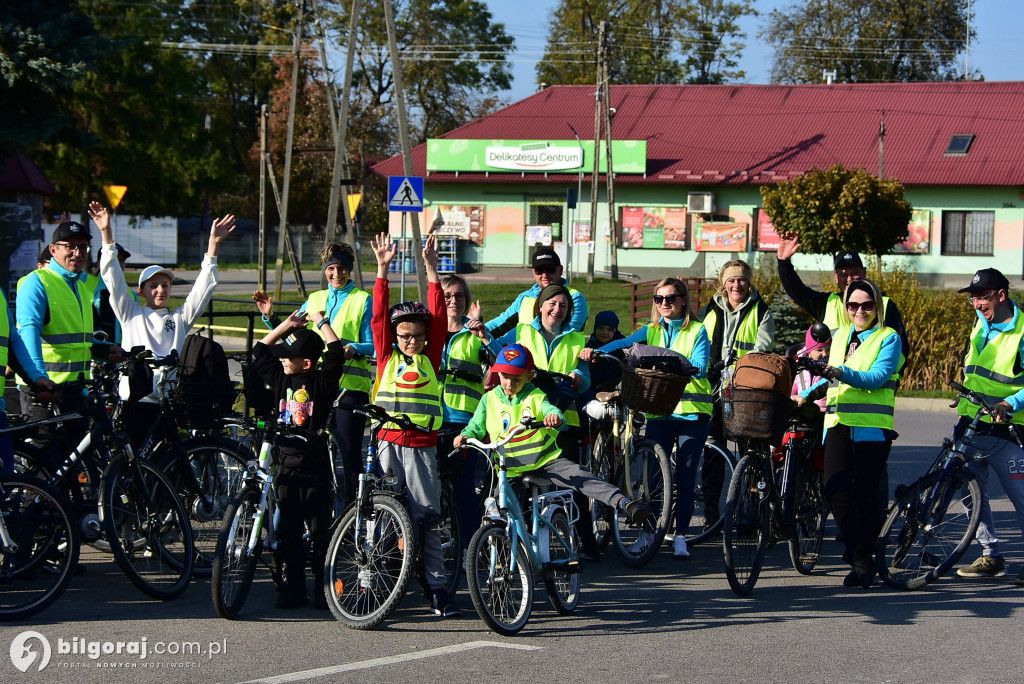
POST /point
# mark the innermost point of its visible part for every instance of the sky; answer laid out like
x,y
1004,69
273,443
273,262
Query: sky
x,y
995,51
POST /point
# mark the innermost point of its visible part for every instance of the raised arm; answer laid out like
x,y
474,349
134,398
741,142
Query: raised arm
x,y
220,229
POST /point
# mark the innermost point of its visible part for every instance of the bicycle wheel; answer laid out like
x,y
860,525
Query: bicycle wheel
x,y
809,517
451,544
928,529
649,480
745,537
233,565
218,466
147,528
364,583
563,586
714,472
502,593
602,453
35,573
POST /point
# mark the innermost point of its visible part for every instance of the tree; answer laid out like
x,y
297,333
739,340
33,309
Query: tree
x,y
712,59
840,209
868,40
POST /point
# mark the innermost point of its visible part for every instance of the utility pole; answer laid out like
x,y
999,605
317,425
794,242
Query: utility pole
x,y
610,175
282,235
403,133
262,277
597,149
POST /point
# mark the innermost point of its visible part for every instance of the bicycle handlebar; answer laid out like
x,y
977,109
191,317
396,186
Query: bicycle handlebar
x,y
380,414
518,429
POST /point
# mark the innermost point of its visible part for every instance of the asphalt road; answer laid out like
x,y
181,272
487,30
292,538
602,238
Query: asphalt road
x,y
673,620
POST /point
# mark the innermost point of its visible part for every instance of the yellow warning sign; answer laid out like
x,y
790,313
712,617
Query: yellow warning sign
x,y
353,203
115,193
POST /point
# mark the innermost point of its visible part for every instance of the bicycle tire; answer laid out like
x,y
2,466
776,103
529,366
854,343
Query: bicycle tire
x,y
147,527
502,595
40,522
233,566
745,537
918,542
705,504
601,466
219,467
364,586
451,544
563,586
650,480
809,516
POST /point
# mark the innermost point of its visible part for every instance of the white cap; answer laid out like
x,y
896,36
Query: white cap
x,y
151,271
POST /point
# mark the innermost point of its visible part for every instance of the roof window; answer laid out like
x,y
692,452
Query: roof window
x,y
959,145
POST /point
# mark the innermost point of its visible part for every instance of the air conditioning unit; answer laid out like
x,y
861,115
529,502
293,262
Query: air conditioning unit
x,y
701,202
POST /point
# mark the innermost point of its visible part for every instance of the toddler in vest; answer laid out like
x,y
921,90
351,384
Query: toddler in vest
x,y
536,452
807,386
409,341
304,395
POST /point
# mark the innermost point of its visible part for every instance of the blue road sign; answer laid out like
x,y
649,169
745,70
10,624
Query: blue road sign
x,y
405,193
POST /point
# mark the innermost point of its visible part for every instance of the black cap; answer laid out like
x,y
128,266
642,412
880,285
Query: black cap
x,y
545,257
70,229
987,279
846,259
122,253
305,344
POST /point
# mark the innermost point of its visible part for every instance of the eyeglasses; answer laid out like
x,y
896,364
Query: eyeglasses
x,y
81,249
984,297
448,296
665,299
418,337
866,307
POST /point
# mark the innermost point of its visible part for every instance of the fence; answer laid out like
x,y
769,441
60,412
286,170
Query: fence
x,y
642,293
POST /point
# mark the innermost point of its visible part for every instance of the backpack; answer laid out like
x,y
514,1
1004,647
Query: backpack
x,y
205,391
764,371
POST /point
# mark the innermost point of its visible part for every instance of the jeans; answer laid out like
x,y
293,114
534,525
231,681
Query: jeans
x,y
688,436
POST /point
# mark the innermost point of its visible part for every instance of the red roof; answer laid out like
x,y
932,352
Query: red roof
x,y
18,172
757,134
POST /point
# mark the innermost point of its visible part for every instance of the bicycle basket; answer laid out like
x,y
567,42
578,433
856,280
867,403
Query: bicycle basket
x,y
756,414
651,391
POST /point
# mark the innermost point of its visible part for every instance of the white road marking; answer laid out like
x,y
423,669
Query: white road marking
x,y
390,660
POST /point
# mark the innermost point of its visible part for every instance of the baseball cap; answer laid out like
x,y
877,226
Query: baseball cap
x,y
304,344
69,229
987,279
545,257
123,253
515,359
151,271
847,258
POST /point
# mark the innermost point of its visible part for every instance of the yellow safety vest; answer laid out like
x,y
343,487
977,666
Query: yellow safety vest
x,y
563,360
529,450
527,305
464,355
846,405
5,336
67,337
346,323
697,393
746,336
992,372
410,387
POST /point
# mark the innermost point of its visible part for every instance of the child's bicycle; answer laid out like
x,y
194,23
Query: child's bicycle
x,y
506,552
375,547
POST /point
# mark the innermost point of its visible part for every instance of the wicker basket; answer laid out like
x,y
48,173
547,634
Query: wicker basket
x,y
756,414
651,391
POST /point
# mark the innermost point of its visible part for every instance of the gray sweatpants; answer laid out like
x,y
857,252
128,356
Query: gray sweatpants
x,y
565,474
1006,459
416,469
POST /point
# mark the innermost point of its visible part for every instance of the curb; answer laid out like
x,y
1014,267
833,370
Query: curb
x,y
923,404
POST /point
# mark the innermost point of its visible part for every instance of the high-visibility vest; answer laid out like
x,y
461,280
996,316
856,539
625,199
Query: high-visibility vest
x,y
993,372
697,393
5,335
527,305
464,355
846,405
746,336
346,323
410,388
563,360
67,337
529,450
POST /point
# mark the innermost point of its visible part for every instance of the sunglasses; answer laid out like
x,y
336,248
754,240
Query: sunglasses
x,y
665,299
546,270
866,307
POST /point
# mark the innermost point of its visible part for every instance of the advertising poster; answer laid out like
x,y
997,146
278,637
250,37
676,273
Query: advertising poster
x,y
538,235
462,221
581,232
720,236
653,227
919,233
767,237
675,227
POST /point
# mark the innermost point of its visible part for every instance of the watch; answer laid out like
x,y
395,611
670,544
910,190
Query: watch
x,y
322,323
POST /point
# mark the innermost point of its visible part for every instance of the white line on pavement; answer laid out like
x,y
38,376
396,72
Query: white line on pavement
x,y
390,660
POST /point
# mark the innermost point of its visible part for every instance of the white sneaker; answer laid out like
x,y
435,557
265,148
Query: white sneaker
x,y
679,547
643,541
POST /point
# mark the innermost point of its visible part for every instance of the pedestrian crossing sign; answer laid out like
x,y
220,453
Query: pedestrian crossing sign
x,y
405,193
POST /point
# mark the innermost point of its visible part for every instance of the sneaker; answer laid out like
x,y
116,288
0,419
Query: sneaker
x,y
679,547
1020,579
986,566
637,512
643,541
441,605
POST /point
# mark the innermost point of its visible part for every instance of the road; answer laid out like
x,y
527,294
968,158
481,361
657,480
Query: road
x,y
671,621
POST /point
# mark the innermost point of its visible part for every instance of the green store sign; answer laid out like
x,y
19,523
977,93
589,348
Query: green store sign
x,y
533,156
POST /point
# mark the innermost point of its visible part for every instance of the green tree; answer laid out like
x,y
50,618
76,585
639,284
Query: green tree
x,y
712,58
868,40
839,209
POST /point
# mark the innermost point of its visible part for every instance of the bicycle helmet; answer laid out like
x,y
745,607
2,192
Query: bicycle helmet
x,y
409,311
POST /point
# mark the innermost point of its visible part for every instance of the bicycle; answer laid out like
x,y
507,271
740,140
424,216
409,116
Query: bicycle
x,y
39,546
375,547
932,522
772,499
505,551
